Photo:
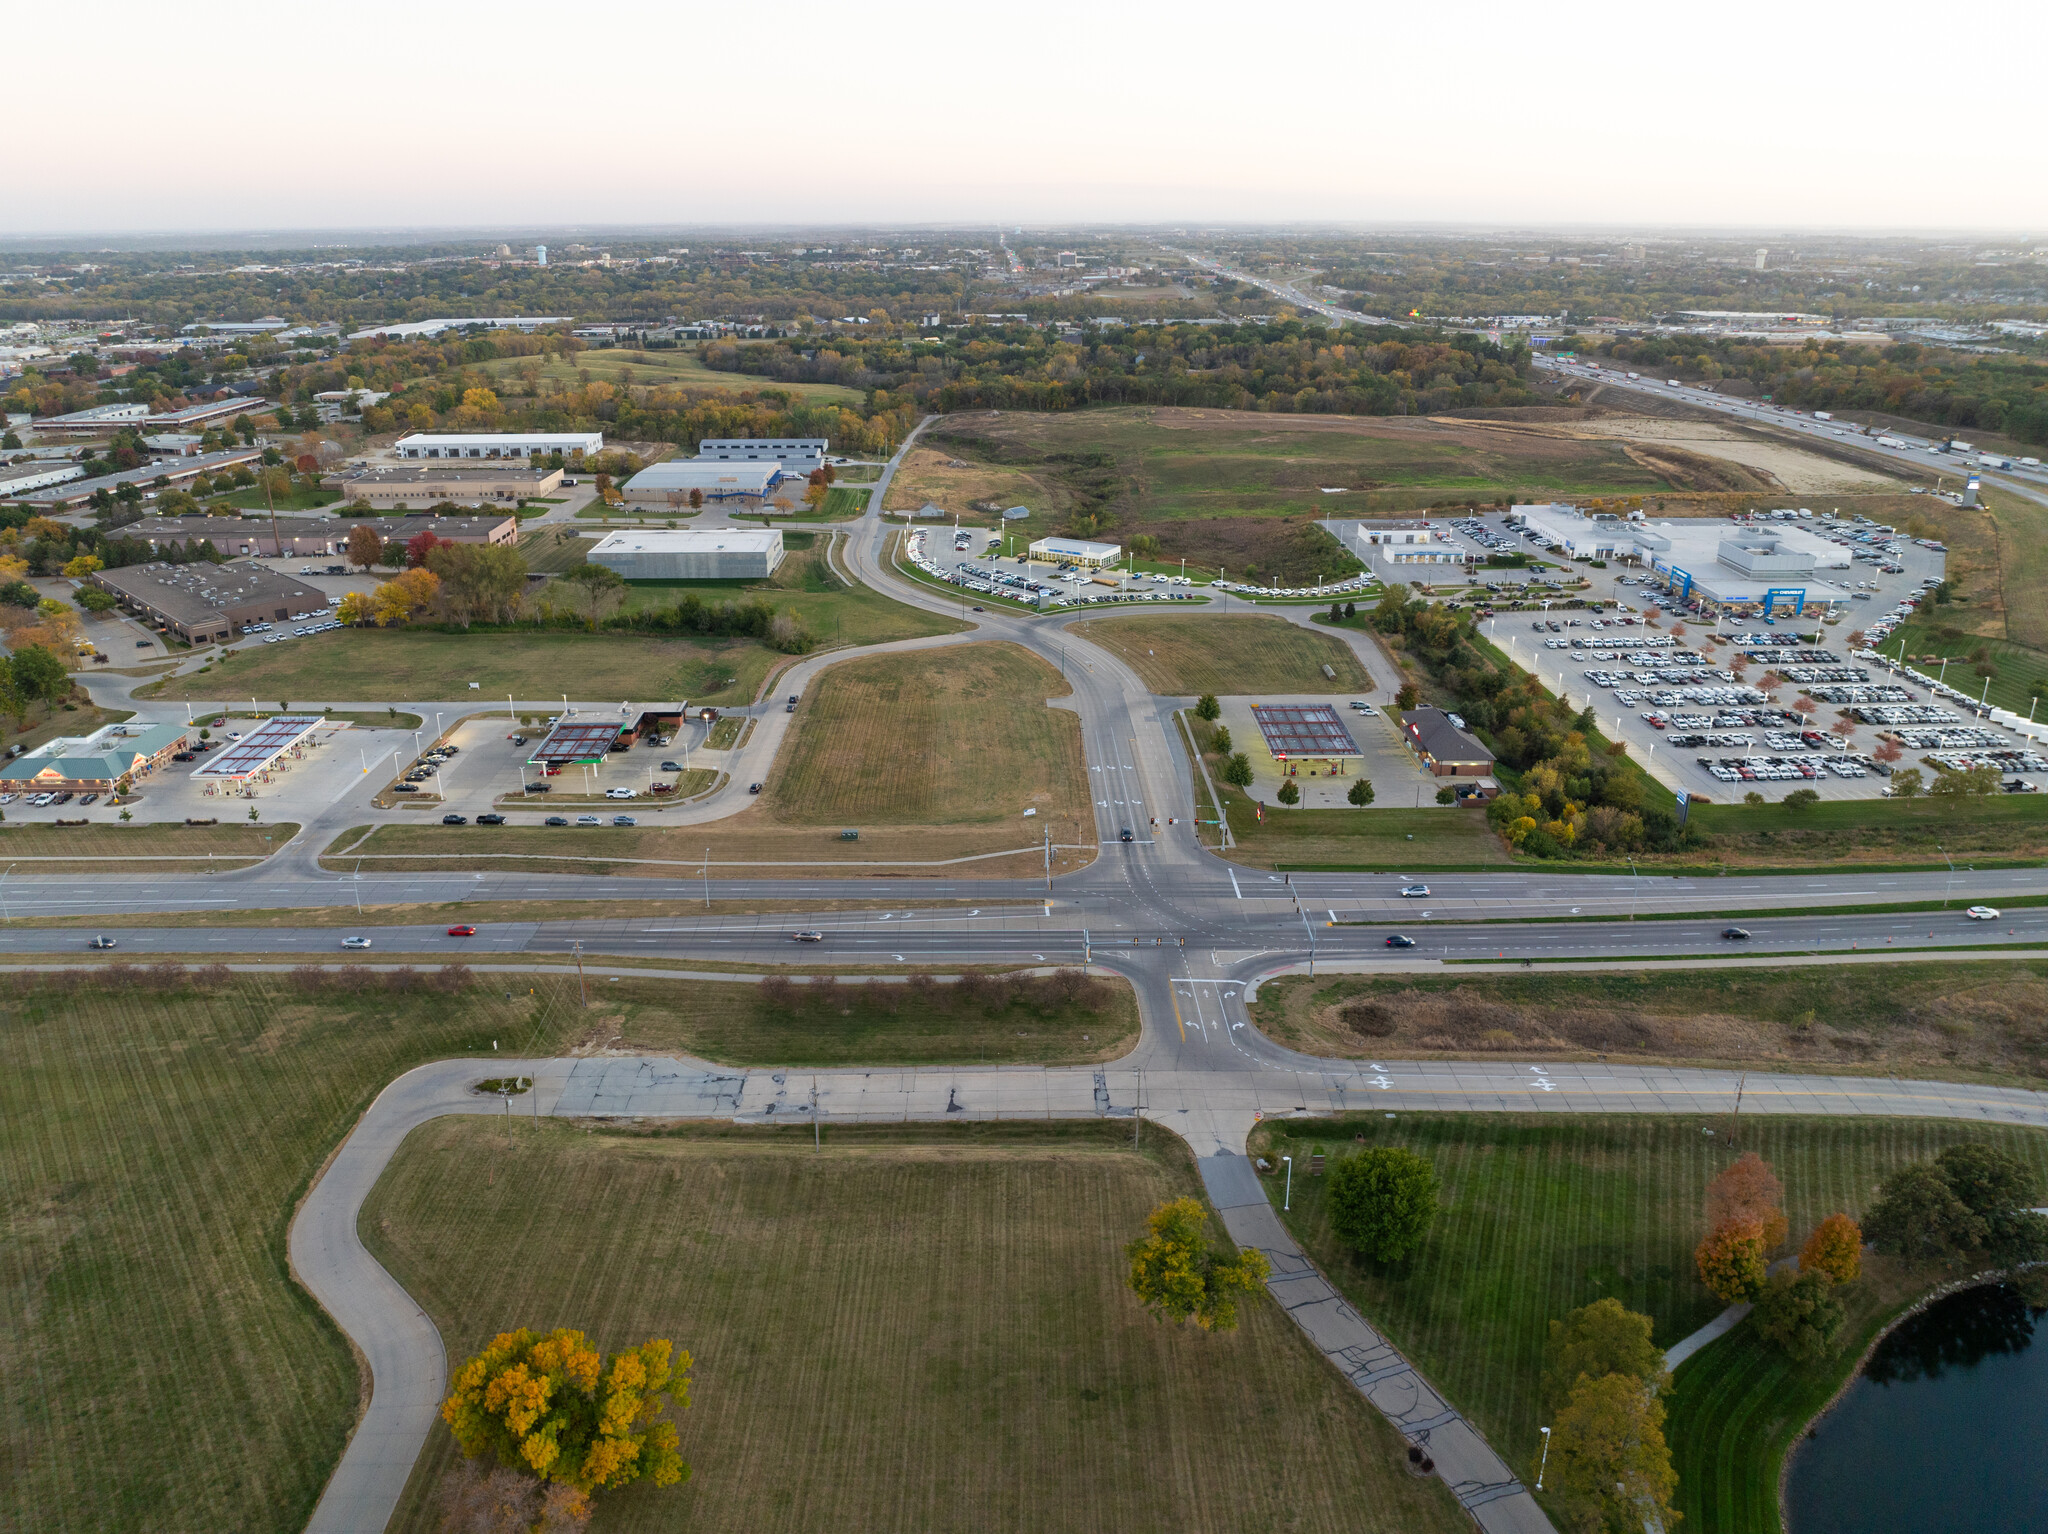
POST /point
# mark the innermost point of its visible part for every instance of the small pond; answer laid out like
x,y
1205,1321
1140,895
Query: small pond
x,y
1944,1432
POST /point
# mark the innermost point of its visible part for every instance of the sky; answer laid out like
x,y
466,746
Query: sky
x,y
226,115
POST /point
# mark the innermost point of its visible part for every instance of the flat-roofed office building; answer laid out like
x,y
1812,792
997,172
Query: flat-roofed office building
x,y
692,554
498,444
794,455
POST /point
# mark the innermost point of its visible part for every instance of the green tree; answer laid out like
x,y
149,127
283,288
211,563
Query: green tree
x,y
1968,783
1408,697
1447,795
1207,708
1907,783
1918,1216
19,594
1381,1201
1800,1315
1613,1470
1595,1340
1238,770
601,587
39,674
1289,794
94,600
551,1405
10,442
1177,1274
1361,792
1801,799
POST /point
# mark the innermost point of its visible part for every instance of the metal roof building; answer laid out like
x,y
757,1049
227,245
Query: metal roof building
x,y
1077,551
665,483
794,455
497,444
692,554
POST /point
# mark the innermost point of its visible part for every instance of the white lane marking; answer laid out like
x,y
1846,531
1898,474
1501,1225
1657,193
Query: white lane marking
x,y
1233,885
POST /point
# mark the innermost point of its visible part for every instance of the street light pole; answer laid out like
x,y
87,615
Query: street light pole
x,y
1951,889
707,878
1545,1462
1287,1203
1635,890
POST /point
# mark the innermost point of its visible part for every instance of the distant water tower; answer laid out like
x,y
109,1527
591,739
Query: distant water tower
x,y
540,255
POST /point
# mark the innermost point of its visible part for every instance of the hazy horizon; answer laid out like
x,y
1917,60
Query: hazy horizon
x,y
222,117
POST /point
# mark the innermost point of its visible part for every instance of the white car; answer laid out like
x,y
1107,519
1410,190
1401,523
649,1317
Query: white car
x,y
1415,892
618,793
355,942
1982,913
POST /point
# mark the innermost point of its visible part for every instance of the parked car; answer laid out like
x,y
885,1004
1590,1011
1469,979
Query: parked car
x,y
454,820
624,820
671,766
556,820
462,930
490,820
588,820
618,793
355,942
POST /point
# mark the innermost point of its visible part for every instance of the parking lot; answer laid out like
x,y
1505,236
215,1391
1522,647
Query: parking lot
x,y
1398,779
974,560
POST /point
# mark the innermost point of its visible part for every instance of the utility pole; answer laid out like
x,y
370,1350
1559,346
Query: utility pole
x,y
707,878
1735,1128
817,1135
582,990
1048,858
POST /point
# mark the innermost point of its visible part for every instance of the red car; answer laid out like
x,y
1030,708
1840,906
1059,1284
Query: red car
x,y
465,930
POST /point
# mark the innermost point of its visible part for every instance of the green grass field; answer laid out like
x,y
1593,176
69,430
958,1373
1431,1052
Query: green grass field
x,y
2022,673
153,1142
1186,655
1546,1213
1978,1020
916,1328
1995,828
407,664
254,500
679,368
236,838
957,736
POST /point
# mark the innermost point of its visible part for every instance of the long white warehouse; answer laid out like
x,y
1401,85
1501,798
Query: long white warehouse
x,y
692,554
499,444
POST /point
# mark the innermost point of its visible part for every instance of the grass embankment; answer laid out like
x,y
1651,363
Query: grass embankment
x,y
2022,673
1994,828
1388,839
152,1145
141,846
1182,655
930,756
430,664
652,370
795,1279
1976,1019
1543,1214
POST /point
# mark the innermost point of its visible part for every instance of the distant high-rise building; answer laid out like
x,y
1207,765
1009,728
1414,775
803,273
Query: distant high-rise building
x,y
505,252
540,255
1761,257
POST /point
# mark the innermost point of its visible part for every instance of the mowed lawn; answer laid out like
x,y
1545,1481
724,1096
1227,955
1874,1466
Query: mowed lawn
x,y
403,665
1542,1214
945,737
158,1368
1186,655
918,1328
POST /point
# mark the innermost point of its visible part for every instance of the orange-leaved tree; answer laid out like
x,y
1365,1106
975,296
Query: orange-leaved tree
x,y
1731,1261
1835,1248
547,1403
1748,1190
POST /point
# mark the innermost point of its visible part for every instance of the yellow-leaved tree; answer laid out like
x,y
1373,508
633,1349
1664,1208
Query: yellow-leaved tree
x,y
1178,1275
399,598
548,1403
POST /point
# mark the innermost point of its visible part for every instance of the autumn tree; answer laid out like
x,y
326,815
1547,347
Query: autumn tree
x,y
398,599
483,581
420,545
499,1500
1177,1274
1800,1315
1835,1248
1382,1201
1731,1262
549,1404
354,607
1407,697
1595,1340
1612,1468
1748,1190
365,547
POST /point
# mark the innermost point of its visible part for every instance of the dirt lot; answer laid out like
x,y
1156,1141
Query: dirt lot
x,y
1795,471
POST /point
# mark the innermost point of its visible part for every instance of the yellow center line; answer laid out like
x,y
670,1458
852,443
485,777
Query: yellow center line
x,y
1174,991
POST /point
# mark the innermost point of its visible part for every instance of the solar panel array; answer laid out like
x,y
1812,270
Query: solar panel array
x,y
1313,729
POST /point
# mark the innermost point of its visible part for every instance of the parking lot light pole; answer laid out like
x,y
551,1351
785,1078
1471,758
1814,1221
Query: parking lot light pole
x,y
1287,1203
1636,890
1951,875
1544,1464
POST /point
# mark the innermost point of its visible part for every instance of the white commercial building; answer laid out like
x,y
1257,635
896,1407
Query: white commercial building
x,y
1413,543
37,479
798,455
1723,564
692,554
99,420
670,483
420,330
499,444
1077,551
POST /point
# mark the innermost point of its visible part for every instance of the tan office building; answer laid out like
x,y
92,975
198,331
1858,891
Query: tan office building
x,y
409,486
